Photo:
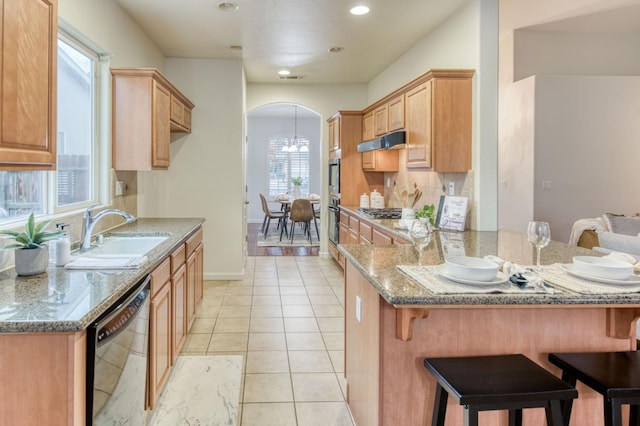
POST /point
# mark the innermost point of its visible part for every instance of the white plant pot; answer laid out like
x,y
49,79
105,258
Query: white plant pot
x,y
31,261
296,191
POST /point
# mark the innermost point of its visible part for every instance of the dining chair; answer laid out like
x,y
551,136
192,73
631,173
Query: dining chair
x,y
272,214
300,212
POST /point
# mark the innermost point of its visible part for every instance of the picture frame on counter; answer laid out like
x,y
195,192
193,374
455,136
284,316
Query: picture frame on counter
x,y
452,213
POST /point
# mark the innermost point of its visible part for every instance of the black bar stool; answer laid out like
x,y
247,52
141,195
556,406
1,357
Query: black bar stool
x,y
497,382
614,375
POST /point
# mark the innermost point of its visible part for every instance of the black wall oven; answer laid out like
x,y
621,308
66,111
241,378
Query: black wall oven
x,y
334,178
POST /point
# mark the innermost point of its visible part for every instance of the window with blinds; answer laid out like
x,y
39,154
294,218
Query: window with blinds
x,y
288,158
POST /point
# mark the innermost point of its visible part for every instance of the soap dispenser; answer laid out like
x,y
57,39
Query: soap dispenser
x,y
63,246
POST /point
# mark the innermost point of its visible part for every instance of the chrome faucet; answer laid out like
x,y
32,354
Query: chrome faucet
x,y
90,221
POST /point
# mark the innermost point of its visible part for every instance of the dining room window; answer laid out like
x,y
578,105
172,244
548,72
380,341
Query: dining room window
x,y
288,158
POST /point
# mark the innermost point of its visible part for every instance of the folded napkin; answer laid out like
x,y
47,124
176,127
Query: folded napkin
x,y
625,257
434,282
106,263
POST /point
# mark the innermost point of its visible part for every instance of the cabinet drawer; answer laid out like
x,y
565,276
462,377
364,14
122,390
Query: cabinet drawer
x,y
178,258
365,231
159,276
381,238
344,218
194,241
363,240
354,223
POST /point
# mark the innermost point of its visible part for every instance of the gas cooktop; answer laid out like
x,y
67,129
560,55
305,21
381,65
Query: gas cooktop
x,y
387,213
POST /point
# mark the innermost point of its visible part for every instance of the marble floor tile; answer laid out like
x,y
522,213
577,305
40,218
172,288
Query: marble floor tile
x,y
318,289
310,362
266,291
266,311
295,299
224,342
267,362
266,301
331,324
266,325
236,301
267,342
337,359
328,310
323,414
239,291
196,344
323,299
297,311
290,282
265,282
268,388
235,312
308,387
333,341
202,390
269,414
203,325
305,342
296,290
232,325
301,325
263,275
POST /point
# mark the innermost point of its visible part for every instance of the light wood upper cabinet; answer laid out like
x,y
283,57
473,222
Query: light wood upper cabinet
x,y
28,57
395,109
146,109
368,132
380,120
334,133
438,123
377,161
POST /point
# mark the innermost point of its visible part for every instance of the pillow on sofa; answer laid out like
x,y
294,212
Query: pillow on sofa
x,y
618,242
622,224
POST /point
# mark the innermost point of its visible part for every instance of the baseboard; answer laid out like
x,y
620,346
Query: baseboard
x,y
222,276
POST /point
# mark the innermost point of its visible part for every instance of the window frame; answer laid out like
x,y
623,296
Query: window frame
x,y
288,140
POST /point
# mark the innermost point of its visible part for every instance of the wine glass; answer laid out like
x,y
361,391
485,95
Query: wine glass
x,y
539,235
421,236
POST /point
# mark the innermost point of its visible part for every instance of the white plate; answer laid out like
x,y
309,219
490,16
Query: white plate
x,y
634,279
500,278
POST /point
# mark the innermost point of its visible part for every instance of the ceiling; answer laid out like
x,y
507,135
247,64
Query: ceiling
x,y
292,34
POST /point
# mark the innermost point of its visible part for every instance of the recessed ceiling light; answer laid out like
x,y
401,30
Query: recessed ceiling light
x,y
336,49
227,6
236,47
359,10
284,72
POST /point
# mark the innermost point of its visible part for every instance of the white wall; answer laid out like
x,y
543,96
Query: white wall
x,y
205,178
587,143
111,28
518,123
260,130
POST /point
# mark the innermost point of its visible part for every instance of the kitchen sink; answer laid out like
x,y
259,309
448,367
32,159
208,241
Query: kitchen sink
x,y
124,245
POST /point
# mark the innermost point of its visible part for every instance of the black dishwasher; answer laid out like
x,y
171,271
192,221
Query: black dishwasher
x,y
117,347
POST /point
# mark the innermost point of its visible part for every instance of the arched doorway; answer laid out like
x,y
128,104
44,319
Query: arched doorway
x,y
283,142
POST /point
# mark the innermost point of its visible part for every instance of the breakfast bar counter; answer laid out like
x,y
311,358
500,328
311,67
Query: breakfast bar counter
x,y
392,323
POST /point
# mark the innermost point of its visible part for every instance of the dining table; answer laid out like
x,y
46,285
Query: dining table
x,y
285,206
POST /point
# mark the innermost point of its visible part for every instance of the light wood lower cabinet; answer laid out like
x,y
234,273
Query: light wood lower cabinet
x,y
195,282
159,331
178,301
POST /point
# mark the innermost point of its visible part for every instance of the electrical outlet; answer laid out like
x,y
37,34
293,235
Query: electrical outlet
x,y
358,309
119,187
452,188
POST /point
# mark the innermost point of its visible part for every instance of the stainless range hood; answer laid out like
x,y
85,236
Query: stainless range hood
x,y
388,141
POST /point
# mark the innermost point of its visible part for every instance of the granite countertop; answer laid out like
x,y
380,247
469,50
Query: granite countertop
x,y
377,263
69,300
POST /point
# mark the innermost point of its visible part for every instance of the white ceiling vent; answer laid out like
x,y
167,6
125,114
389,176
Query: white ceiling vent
x,y
291,77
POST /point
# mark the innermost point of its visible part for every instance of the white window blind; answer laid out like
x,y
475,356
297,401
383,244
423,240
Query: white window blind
x,y
286,162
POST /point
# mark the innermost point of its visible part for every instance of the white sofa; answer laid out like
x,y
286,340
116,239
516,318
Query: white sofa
x,y
614,233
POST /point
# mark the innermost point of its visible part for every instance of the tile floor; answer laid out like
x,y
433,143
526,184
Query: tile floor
x,y
286,317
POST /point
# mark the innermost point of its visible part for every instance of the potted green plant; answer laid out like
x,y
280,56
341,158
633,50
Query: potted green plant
x,y
31,254
296,186
426,213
